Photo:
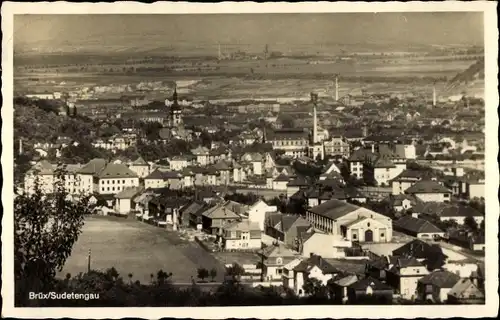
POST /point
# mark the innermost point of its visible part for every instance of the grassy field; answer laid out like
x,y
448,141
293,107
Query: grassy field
x,y
134,247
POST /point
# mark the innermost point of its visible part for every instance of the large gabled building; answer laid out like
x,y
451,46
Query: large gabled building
x,y
352,222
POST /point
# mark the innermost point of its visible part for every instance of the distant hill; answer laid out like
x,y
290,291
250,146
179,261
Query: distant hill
x,y
468,76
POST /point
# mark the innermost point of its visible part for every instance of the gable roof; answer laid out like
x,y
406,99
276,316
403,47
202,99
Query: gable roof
x,y
416,225
427,186
369,282
245,225
220,212
140,162
94,166
432,254
155,175
115,170
279,250
347,280
462,286
316,261
128,193
334,209
43,167
440,279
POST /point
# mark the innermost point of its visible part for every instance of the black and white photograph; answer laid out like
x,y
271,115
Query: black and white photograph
x,y
230,155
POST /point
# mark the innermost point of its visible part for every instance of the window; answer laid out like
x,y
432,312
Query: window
x,y
113,188
354,237
123,181
368,224
382,235
107,189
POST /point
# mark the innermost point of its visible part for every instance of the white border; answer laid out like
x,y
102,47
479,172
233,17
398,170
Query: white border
x,y
293,312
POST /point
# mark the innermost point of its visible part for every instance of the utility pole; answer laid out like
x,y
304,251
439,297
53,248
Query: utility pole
x,y
89,258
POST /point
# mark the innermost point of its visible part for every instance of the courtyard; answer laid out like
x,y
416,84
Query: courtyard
x,y
136,248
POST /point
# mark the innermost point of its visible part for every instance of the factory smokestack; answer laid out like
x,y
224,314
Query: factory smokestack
x,y
314,99
336,88
434,96
20,147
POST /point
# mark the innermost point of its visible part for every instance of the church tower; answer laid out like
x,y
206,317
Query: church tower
x,y
175,111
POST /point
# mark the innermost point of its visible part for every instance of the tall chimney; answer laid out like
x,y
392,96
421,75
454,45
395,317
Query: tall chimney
x,y
336,88
434,96
314,99
20,146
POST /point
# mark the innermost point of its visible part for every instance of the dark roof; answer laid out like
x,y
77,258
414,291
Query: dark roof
x,y
93,167
369,282
114,170
416,225
408,262
334,209
299,182
432,254
460,211
440,279
316,261
427,186
362,155
156,174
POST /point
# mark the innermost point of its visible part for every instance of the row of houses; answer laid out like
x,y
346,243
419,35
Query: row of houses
x,y
415,271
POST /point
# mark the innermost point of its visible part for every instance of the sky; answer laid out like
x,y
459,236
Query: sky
x,y
290,29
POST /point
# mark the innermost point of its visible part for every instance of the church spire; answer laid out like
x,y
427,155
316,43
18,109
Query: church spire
x,y
174,96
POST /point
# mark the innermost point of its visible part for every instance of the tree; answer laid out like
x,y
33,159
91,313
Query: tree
x,y
235,272
203,273
315,288
471,223
45,229
213,274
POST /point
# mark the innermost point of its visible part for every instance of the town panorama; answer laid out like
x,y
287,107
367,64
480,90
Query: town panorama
x,y
252,159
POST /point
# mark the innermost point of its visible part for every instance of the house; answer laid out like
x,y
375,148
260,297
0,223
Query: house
x,y
140,167
86,174
295,185
436,286
403,275
369,288
288,273
216,218
402,202
274,258
339,286
124,203
202,155
313,267
257,213
337,146
463,268
404,180
357,160
431,255
459,213
330,168
155,180
281,182
420,228
428,190
114,178
177,163
286,228
466,291
241,235
325,245
256,160
190,209
350,221
475,188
